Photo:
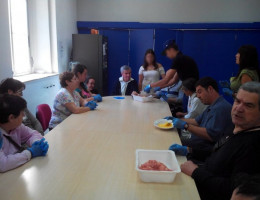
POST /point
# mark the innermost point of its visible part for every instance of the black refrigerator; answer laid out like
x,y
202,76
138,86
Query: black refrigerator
x,y
91,50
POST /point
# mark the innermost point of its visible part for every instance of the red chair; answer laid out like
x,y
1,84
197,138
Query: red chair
x,y
43,114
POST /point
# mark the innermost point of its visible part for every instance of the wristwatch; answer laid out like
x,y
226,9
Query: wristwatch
x,y
186,126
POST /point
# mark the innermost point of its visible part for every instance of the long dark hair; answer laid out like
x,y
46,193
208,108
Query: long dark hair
x,y
79,68
248,59
145,65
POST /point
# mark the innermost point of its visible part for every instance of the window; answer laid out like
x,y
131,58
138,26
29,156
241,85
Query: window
x,y
33,37
20,37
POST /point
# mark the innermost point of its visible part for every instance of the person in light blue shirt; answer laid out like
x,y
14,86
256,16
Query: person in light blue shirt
x,y
207,128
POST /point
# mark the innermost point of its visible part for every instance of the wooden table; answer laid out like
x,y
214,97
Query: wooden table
x,y
92,156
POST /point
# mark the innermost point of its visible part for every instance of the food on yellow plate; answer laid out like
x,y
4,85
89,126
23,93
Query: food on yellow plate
x,y
154,165
165,125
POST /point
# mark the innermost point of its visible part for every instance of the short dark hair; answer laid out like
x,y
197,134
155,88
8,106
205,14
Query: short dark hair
x,y
65,76
189,84
206,82
89,78
10,84
172,44
248,185
79,68
10,105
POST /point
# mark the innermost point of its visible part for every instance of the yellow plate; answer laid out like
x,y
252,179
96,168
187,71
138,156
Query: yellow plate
x,y
163,124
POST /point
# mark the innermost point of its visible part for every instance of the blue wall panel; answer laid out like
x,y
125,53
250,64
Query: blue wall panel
x,y
213,46
117,54
140,41
248,37
161,36
213,51
138,25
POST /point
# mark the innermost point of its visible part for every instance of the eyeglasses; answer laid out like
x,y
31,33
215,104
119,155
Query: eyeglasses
x,y
19,92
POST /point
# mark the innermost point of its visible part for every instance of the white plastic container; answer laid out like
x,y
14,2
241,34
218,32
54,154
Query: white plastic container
x,y
143,99
164,156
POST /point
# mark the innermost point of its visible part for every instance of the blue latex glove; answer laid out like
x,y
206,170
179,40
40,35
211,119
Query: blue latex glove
x,y
227,92
147,88
155,89
91,104
39,148
160,94
179,149
178,123
169,118
164,96
224,83
98,98
44,146
119,98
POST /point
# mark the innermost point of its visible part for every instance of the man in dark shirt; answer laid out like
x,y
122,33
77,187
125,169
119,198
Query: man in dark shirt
x,y
184,65
237,153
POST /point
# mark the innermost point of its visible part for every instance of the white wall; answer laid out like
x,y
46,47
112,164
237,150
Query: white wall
x,y
42,91
66,18
169,10
5,46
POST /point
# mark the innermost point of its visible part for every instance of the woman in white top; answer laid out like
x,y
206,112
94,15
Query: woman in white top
x,y
151,71
195,107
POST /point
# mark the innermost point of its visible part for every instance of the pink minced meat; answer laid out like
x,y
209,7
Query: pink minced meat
x,y
154,165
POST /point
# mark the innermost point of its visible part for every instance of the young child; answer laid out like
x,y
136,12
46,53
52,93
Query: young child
x,y
14,135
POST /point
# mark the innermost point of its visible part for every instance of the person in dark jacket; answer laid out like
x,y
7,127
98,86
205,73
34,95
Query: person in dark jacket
x,y
125,84
237,153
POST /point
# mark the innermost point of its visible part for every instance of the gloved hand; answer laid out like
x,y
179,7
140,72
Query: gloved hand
x,y
147,88
178,123
98,98
224,83
227,92
169,118
45,147
155,89
91,104
164,96
159,94
179,149
39,148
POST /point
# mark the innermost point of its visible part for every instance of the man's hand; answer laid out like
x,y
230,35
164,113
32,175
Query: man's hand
x,y
178,123
188,168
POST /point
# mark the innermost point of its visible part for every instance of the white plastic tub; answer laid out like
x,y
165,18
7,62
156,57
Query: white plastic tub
x,y
143,99
164,156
